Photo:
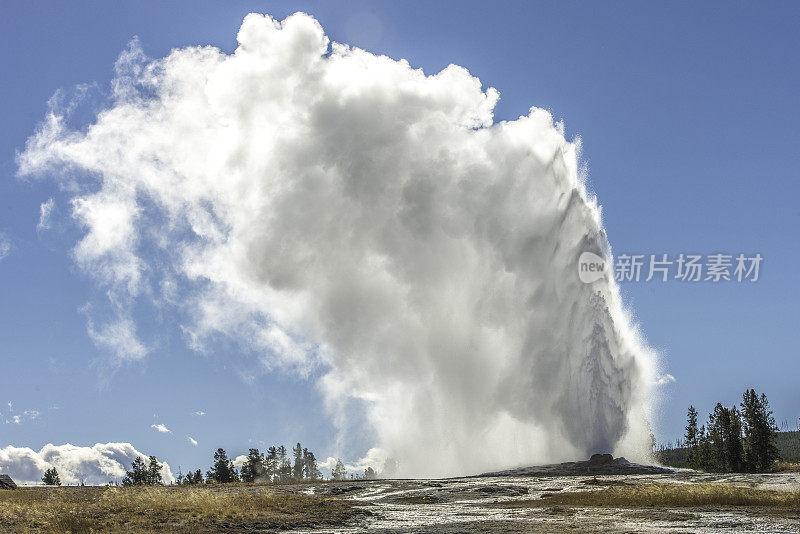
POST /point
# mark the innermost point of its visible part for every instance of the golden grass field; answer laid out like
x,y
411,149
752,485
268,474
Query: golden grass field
x,y
163,509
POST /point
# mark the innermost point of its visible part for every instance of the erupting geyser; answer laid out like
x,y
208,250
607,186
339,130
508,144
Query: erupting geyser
x,y
327,206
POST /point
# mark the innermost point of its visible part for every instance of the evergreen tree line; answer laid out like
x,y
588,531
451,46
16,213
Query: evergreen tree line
x,y
276,465
789,446
734,439
143,473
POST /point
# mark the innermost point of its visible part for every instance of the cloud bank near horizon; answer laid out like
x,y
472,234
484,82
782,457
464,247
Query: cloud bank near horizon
x,y
96,465
327,207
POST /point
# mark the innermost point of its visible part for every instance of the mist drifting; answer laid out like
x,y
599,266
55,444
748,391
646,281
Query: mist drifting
x,y
328,207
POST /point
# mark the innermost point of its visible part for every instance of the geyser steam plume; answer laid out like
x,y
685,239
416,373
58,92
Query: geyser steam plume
x,y
327,206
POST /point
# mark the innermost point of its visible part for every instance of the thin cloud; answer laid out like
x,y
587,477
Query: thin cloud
x,y
664,379
199,413
192,440
5,246
45,212
161,428
19,418
119,338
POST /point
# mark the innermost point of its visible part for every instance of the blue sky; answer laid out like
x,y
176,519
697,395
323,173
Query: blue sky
x,y
688,117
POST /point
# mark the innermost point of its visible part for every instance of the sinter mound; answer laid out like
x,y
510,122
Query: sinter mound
x,y
598,464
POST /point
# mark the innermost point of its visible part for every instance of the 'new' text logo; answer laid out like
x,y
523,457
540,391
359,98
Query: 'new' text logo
x,y
591,267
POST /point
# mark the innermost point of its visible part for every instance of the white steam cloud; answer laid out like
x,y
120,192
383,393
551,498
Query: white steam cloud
x,y
99,464
327,206
375,458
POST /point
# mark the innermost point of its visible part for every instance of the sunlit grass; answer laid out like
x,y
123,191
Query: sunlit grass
x,y
149,509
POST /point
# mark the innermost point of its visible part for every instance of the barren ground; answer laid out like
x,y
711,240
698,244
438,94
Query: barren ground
x,y
678,502
664,502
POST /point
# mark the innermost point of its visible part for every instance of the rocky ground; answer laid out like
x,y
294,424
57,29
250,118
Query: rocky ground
x,y
518,501
598,464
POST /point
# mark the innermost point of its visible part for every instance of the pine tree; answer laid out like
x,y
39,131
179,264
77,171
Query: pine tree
x,y
749,426
253,469
310,469
693,459
760,451
705,457
137,476
339,472
734,451
223,470
284,465
271,464
51,477
370,474
297,469
715,429
193,478
153,476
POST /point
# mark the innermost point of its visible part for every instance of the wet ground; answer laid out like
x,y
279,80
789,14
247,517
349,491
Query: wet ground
x,y
475,505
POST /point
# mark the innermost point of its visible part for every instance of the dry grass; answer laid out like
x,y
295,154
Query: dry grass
x,y
668,495
787,467
190,509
